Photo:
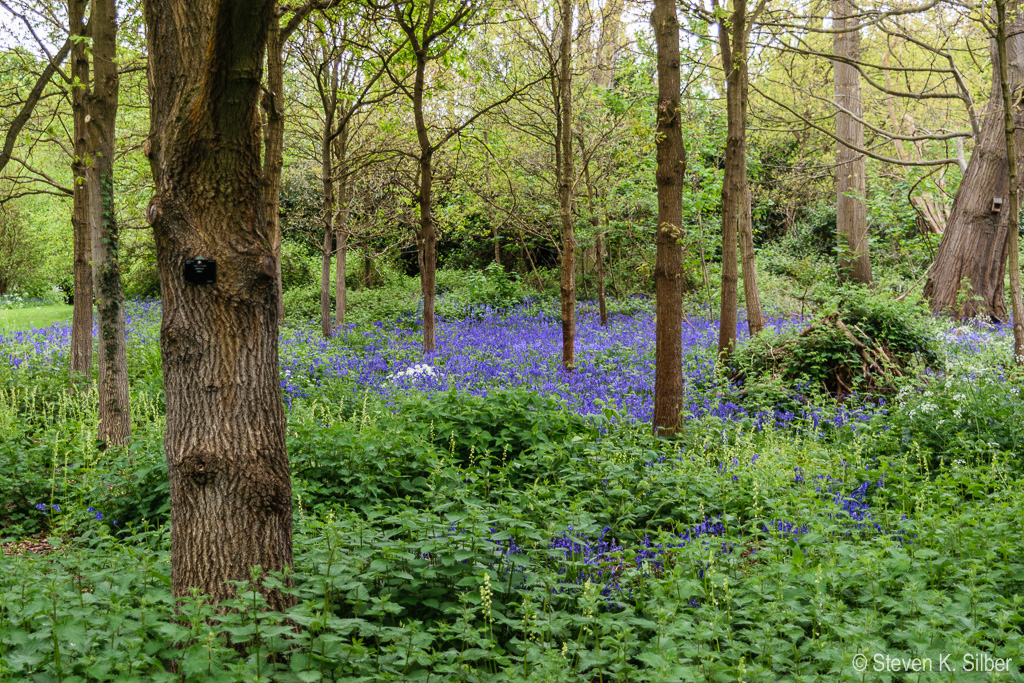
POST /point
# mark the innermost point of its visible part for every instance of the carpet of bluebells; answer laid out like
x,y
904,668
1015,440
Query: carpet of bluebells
x,y
479,514
494,349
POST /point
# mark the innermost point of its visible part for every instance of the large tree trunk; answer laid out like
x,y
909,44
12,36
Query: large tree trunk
x,y
341,228
273,105
974,246
668,269
1010,127
81,320
225,437
564,164
114,412
851,211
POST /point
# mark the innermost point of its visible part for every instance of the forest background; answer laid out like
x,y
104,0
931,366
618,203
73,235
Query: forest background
x,y
495,180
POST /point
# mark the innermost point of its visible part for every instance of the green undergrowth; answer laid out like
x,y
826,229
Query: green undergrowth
x,y
828,546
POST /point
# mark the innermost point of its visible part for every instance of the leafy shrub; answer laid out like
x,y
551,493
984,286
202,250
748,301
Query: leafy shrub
x,y
861,346
140,275
814,233
16,298
20,254
506,423
303,303
296,267
374,453
399,296
24,482
463,291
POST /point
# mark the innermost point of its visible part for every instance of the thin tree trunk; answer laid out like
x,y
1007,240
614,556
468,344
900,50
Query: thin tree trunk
x,y
429,243
273,105
751,293
583,275
81,321
851,211
733,195
564,163
529,258
227,462
427,236
601,303
330,101
325,279
114,410
1013,181
341,229
737,95
668,270
968,274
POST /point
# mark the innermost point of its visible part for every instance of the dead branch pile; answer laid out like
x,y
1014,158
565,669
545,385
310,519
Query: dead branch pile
x,y
833,355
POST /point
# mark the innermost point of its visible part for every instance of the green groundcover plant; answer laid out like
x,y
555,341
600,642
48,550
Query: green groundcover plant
x,y
503,535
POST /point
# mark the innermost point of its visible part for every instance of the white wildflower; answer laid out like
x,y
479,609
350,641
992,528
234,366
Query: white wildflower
x,y
416,372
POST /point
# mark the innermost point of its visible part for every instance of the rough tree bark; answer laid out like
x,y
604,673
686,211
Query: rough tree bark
x,y
101,104
668,269
851,212
1013,182
974,245
564,166
227,462
80,353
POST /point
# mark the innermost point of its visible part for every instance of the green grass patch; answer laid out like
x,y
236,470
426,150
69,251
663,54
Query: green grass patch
x,y
37,316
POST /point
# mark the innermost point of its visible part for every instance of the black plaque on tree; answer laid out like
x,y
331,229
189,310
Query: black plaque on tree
x,y
200,271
